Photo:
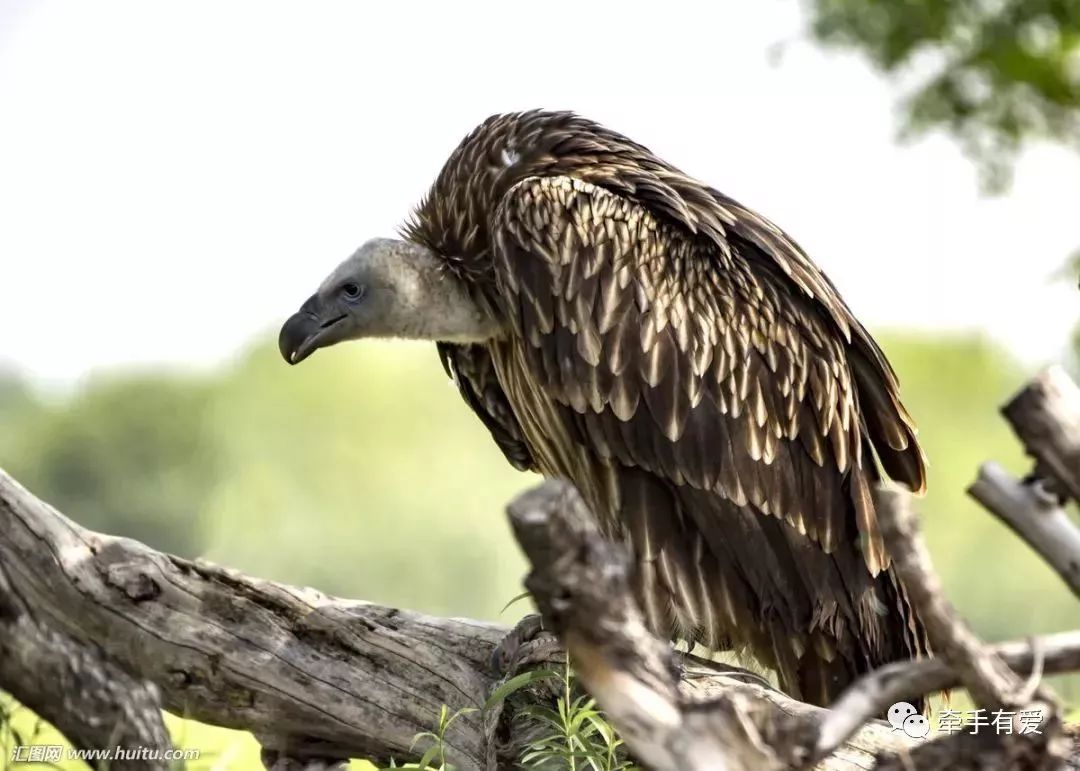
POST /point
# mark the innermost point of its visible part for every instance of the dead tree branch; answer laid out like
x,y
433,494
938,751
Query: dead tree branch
x,y
310,676
319,680
1046,418
1035,515
903,680
94,702
581,583
316,679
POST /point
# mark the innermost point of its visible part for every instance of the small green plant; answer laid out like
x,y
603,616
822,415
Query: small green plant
x,y
527,595
434,758
574,733
578,736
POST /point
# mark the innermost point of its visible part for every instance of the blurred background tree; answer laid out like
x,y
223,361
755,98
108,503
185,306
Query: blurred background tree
x,y
995,74
132,454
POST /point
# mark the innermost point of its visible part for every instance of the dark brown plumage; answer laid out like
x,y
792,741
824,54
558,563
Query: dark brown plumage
x,y
684,363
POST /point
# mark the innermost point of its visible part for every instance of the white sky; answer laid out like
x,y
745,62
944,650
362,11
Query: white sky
x,y
176,178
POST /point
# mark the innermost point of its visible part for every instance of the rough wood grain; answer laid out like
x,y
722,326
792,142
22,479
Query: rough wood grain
x,y
1046,417
1034,515
983,673
94,702
307,674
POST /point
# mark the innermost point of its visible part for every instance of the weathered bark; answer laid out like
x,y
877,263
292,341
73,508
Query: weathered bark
x,y
1046,417
307,674
94,702
984,674
902,680
1035,515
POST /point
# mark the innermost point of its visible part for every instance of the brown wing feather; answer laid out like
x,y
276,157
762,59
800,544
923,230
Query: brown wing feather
x,y
697,363
888,424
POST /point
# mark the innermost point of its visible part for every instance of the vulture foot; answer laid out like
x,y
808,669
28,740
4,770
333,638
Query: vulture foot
x,y
526,645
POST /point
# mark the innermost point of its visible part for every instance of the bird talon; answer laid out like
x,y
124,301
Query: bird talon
x,y
526,644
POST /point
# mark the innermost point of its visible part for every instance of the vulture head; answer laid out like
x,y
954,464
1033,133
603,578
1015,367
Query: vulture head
x,y
387,288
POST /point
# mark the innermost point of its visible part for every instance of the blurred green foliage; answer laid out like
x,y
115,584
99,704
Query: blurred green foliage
x,y
360,472
133,454
363,474
993,73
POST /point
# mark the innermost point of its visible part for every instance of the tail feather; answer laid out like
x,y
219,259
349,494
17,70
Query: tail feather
x,y
821,680
893,631
729,577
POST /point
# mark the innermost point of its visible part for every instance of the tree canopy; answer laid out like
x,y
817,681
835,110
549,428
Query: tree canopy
x,y
995,74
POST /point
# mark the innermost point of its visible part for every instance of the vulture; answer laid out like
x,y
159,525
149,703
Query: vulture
x,y
679,358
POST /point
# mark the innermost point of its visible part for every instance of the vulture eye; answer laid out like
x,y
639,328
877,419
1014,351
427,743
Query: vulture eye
x,y
352,291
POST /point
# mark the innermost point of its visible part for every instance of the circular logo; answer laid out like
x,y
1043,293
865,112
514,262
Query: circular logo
x,y
904,717
916,726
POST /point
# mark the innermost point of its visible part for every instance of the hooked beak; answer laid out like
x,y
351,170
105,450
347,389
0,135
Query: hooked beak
x,y
309,329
